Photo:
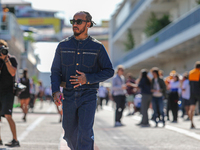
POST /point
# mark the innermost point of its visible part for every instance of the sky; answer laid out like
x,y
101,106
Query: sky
x,y
99,9
46,52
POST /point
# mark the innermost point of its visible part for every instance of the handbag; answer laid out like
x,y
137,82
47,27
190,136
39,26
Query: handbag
x,y
18,88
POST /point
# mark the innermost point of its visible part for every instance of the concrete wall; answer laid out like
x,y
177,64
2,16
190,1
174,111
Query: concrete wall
x,y
181,65
123,14
184,6
13,50
117,51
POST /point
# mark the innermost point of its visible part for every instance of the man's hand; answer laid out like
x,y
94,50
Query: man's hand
x,y
78,80
4,57
58,96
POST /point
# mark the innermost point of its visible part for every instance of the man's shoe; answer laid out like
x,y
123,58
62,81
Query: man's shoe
x,y
175,121
24,118
13,143
118,124
192,126
145,125
1,142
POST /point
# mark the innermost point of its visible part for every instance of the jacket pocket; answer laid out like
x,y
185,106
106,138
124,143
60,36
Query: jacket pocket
x,y
68,58
89,59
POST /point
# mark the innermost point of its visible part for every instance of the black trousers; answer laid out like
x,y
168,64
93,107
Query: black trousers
x,y
120,105
173,97
168,106
101,101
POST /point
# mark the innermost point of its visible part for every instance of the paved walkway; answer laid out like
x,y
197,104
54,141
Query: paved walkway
x,y
42,131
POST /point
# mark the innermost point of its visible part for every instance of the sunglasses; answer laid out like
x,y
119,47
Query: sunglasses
x,y
78,21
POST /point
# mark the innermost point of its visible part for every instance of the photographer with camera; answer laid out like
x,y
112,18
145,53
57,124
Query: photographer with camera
x,y
8,67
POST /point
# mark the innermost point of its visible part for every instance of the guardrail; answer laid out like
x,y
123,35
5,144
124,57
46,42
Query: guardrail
x,y
9,29
185,22
135,8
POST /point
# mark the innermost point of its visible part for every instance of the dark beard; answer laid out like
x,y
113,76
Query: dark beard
x,y
83,30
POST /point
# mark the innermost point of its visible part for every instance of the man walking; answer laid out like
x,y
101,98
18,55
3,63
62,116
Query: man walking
x,y
119,91
194,79
8,67
80,63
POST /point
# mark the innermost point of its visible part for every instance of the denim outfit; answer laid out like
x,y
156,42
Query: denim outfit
x,y
88,56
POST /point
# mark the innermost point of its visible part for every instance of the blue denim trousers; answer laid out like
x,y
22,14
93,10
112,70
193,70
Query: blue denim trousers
x,y
158,105
78,117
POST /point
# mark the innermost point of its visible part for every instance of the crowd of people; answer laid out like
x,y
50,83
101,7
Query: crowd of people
x,y
162,94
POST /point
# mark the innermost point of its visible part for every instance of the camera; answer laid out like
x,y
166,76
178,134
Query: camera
x,y
3,50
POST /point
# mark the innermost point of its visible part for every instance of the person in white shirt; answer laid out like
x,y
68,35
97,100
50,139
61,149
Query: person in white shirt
x,y
186,93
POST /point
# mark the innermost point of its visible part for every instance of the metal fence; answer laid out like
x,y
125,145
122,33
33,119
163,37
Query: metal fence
x,y
185,22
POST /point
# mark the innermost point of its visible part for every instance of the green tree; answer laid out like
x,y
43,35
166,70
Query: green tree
x,y
154,24
198,1
28,36
130,42
35,79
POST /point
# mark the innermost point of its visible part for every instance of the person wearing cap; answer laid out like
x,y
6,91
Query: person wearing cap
x,y
79,64
194,78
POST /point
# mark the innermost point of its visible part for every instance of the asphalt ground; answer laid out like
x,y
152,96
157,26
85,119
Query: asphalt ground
x,y
43,131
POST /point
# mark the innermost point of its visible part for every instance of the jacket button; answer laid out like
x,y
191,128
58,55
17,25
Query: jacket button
x,y
78,53
88,83
77,64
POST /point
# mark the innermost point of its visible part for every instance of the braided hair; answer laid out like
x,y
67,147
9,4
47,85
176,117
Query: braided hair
x,y
88,17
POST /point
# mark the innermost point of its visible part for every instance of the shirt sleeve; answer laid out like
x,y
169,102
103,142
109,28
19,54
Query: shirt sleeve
x,y
56,71
13,62
115,86
184,85
105,64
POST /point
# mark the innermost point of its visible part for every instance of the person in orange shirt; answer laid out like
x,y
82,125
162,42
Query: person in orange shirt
x,y
194,79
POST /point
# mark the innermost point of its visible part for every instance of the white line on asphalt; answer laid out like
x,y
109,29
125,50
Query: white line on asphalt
x,y
30,128
34,124
176,129
182,131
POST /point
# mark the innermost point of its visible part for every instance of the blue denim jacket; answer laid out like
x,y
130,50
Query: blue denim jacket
x,y
88,56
